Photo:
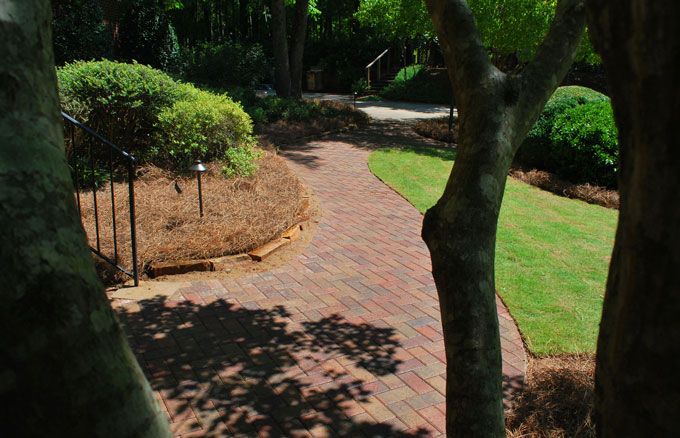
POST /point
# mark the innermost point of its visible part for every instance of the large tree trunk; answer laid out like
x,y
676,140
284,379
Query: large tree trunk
x,y
496,111
638,351
280,48
66,367
243,18
298,47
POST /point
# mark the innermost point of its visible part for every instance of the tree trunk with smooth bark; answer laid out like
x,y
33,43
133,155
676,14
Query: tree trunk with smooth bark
x,y
66,367
638,351
298,46
496,111
280,48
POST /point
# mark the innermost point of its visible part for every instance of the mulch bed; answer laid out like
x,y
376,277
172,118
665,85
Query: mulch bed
x,y
557,400
239,213
438,129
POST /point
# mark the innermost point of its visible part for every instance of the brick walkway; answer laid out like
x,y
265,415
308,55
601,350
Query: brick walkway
x,y
344,340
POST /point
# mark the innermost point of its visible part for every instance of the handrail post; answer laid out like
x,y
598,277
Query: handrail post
x,y
133,228
368,76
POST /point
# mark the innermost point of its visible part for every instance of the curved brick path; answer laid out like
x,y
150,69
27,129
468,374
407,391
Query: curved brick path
x,y
344,340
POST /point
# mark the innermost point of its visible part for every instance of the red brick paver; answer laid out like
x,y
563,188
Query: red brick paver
x,y
344,340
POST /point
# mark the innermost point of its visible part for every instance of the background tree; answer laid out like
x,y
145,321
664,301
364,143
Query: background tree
x,y
495,110
638,351
66,367
288,66
79,31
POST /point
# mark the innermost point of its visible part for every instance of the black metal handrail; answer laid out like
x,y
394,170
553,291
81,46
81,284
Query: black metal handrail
x,y
130,163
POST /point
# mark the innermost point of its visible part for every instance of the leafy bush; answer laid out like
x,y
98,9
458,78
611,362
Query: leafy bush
x,y
584,143
541,149
147,113
229,63
78,31
418,84
360,86
204,126
272,109
120,101
241,161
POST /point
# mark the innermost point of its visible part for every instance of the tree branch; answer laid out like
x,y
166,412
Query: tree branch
x,y
551,63
466,57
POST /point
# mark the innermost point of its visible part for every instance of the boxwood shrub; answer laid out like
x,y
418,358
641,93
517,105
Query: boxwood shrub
x,y
146,112
549,148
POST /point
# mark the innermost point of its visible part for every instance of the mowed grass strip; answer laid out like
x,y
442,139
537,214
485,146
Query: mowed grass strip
x,y
552,253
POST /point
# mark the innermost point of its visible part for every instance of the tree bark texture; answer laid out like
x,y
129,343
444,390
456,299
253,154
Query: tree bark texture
x,y
280,48
638,350
298,47
65,368
496,111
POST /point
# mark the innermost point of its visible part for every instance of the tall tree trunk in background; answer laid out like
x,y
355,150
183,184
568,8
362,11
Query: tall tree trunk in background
x,y
243,18
280,48
298,47
638,351
496,111
66,367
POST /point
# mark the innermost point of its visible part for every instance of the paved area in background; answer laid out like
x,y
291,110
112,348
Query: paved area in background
x,y
387,109
344,340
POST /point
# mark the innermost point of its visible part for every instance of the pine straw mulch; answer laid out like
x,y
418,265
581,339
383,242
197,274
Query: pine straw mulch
x,y
289,131
557,400
438,129
240,214
552,183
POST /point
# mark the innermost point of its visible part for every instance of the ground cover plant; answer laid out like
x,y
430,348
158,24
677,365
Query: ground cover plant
x,y
552,252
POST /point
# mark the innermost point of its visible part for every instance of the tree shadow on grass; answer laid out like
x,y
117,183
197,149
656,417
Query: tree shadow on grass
x,y
222,369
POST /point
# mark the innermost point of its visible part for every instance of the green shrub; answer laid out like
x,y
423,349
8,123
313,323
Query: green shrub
x,y
229,63
120,101
540,149
360,86
241,161
78,31
144,111
584,143
202,126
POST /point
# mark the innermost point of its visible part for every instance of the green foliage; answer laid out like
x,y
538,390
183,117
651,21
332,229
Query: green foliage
x,y
591,155
228,63
585,144
241,161
147,36
360,86
396,18
78,31
203,125
506,26
121,101
418,84
145,112
272,109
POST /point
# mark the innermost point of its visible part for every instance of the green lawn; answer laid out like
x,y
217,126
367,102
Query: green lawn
x,y
552,252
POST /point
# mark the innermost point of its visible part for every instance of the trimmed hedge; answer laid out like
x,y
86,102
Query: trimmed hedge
x,y
146,112
574,137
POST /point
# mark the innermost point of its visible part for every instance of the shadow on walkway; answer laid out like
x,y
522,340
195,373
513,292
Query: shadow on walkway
x,y
377,134
224,369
